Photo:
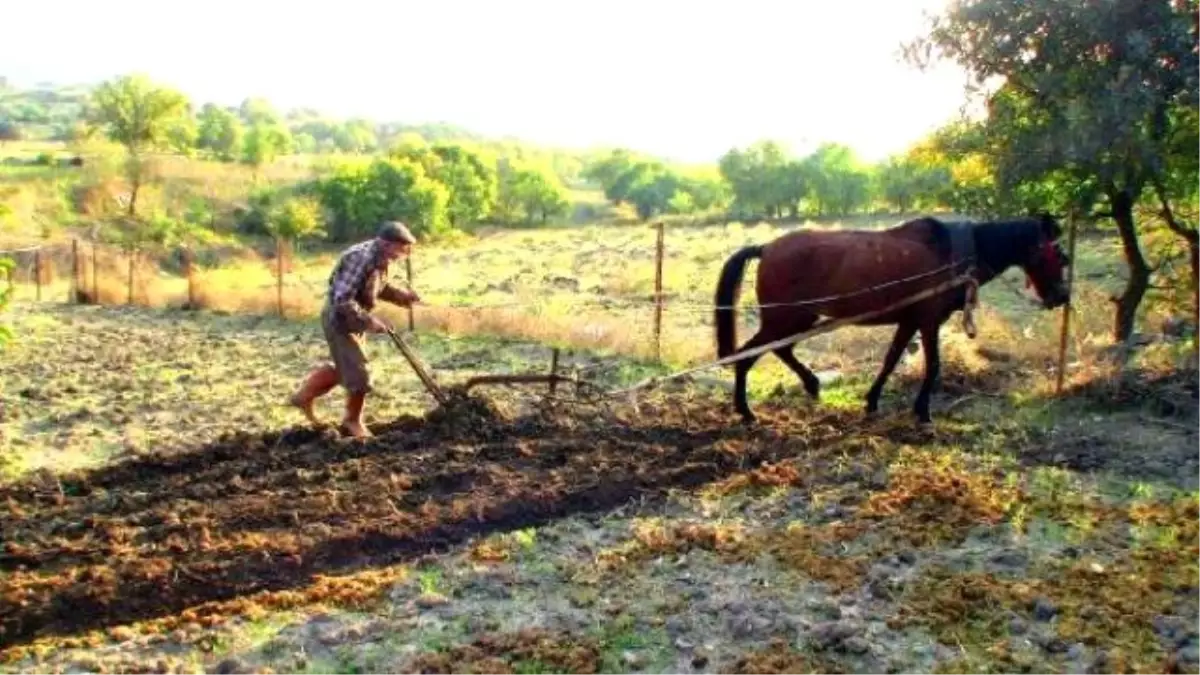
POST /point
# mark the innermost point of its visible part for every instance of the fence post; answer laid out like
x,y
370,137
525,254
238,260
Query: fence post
x,y
129,293
408,276
279,274
37,272
74,271
191,283
658,294
1066,312
95,272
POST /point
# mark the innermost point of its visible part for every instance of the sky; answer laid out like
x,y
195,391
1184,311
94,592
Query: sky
x,y
685,80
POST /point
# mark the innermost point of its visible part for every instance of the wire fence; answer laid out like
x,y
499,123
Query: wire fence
x,y
81,271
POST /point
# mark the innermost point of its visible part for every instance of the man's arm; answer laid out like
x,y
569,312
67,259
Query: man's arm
x,y
397,296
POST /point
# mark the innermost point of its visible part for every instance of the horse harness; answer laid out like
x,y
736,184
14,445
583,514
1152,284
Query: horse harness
x,y
962,255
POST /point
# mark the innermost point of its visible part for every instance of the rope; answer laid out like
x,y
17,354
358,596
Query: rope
x,y
796,337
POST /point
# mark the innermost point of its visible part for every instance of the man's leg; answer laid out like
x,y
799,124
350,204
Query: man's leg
x,y
352,370
358,384
318,383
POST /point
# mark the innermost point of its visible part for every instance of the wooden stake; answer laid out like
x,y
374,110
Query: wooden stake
x,y
279,274
74,270
1066,313
129,296
408,276
658,295
553,370
191,281
37,272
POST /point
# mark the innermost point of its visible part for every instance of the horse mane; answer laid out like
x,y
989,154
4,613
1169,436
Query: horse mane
x,y
1000,244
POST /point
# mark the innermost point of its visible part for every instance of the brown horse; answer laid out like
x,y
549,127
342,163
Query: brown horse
x,y
805,275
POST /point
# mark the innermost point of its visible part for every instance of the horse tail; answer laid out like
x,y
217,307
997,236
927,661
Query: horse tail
x,y
728,289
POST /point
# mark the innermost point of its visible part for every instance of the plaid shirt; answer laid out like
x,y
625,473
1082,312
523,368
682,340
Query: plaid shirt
x,y
351,271
354,284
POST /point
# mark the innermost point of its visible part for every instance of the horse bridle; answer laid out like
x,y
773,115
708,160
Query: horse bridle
x,y
1052,251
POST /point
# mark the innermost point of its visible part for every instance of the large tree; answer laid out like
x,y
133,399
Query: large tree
x,y
141,116
1098,97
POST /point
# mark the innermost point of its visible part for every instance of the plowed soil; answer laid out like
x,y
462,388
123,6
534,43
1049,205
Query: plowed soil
x,y
155,536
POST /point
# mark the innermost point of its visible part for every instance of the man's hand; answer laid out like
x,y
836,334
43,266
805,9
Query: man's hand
x,y
413,298
377,325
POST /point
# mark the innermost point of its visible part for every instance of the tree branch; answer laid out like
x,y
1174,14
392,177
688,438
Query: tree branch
x,y
1168,214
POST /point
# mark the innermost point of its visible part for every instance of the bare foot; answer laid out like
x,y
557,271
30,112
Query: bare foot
x,y
356,429
305,407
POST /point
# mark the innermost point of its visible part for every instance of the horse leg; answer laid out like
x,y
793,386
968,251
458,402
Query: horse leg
x,y
811,384
904,333
933,365
741,370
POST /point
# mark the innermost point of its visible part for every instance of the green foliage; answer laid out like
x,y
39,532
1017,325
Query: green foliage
x,y
472,184
296,218
264,141
136,112
529,193
220,132
360,195
652,187
907,182
1097,106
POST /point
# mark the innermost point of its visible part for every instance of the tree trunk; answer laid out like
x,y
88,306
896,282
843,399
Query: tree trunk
x,y
135,179
133,194
1139,271
1194,258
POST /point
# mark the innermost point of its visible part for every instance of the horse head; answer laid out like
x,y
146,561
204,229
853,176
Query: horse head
x,y
1045,262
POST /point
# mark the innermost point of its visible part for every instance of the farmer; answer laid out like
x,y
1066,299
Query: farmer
x,y
359,277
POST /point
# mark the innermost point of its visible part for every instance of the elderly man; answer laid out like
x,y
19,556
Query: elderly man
x,y
359,277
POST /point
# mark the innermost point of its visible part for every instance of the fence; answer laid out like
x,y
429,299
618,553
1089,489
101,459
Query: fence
x,y
92,272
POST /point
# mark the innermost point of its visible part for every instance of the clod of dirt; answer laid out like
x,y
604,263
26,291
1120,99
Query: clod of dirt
x,y
466,417
526,651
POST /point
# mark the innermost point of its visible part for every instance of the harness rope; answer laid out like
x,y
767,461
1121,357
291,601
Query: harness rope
x,y
823,327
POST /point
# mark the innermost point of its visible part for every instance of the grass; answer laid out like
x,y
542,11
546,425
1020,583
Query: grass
x,y
653,583
1088,501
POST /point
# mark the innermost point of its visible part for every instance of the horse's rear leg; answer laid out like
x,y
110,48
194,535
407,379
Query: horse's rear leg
x,y
811,384
741,370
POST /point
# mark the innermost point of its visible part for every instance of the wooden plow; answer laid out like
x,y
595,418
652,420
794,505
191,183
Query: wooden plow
x,y
552,379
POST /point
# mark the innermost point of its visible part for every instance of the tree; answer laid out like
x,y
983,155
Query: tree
x,y
471,183
838,184
1179,183
139,115
529,192
1096,97
912,180
359,195
265,141
220,132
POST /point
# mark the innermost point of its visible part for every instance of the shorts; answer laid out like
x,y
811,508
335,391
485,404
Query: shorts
x,y
346,349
